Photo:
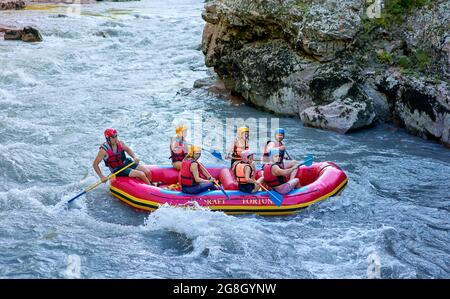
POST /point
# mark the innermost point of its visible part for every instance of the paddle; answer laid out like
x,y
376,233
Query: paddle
x,y
308,161
216,183
276,198
98,183
287,155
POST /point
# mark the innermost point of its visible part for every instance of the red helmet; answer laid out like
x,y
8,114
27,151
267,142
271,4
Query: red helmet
x,y
110,132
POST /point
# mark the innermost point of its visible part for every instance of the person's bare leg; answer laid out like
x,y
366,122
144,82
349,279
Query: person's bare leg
x,y
294,183
145,171
139,174
293,174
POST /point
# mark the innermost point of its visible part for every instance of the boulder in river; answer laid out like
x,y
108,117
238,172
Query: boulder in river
x,y
30,34
27,34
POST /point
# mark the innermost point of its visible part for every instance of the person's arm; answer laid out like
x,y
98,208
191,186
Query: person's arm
x,y
130,152
247,171
230,150
98,159
175,147
195,173
277,171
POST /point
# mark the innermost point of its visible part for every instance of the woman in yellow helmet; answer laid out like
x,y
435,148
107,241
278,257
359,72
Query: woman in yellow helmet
x,y
239,144
178,147
192,174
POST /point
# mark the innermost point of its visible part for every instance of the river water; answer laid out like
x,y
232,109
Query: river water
x,y
132,66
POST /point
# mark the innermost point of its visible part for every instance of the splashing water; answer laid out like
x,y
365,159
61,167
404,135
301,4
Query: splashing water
x,y
131,66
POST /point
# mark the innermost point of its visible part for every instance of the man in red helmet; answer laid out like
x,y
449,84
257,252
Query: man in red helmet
x,y
112,152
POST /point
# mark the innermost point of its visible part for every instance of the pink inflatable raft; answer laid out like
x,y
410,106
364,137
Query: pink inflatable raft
x,y
319,181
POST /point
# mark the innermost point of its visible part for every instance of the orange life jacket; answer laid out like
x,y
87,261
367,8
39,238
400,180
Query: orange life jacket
x,y
237,149
239,172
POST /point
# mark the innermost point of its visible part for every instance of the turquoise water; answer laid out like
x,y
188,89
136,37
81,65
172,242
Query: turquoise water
x,y
132,66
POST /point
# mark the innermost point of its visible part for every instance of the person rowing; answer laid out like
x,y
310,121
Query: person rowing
x,y
239,144
193,177
245,173
275,174
178,147
112,152
278,144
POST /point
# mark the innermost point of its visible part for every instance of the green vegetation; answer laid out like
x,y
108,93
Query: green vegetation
x,y
423,58
404,62
385,57
418,61
393,13
303,7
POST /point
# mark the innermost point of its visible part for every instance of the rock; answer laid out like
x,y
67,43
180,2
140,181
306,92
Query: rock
x,y
327,63
211,13
30,34
423,108
329,28
11,4
381,104
341,116
341,104
27,34
205,82
13,35
445,51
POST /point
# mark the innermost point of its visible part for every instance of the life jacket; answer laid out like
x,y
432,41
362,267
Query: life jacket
x,y
270,179
237,150
180,156
113,159
239,172
267,154
186,177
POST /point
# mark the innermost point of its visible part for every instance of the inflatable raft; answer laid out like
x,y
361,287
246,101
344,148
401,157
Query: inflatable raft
x,y
319,181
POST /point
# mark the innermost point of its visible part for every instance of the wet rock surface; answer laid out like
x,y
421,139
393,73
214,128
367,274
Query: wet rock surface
x,y
333,66
27,34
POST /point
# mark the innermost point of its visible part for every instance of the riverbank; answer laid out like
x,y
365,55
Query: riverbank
x,y
30,34
334,64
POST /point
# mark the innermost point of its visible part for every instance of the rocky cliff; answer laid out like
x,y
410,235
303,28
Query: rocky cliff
x,y
337,64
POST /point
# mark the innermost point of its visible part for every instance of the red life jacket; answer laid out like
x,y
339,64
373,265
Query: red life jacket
x,y
186,177
239,172
270,179
113,160
237,150
180,156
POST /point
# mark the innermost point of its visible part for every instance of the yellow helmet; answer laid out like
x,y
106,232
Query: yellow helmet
x,y
194,149
242,130
180,129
